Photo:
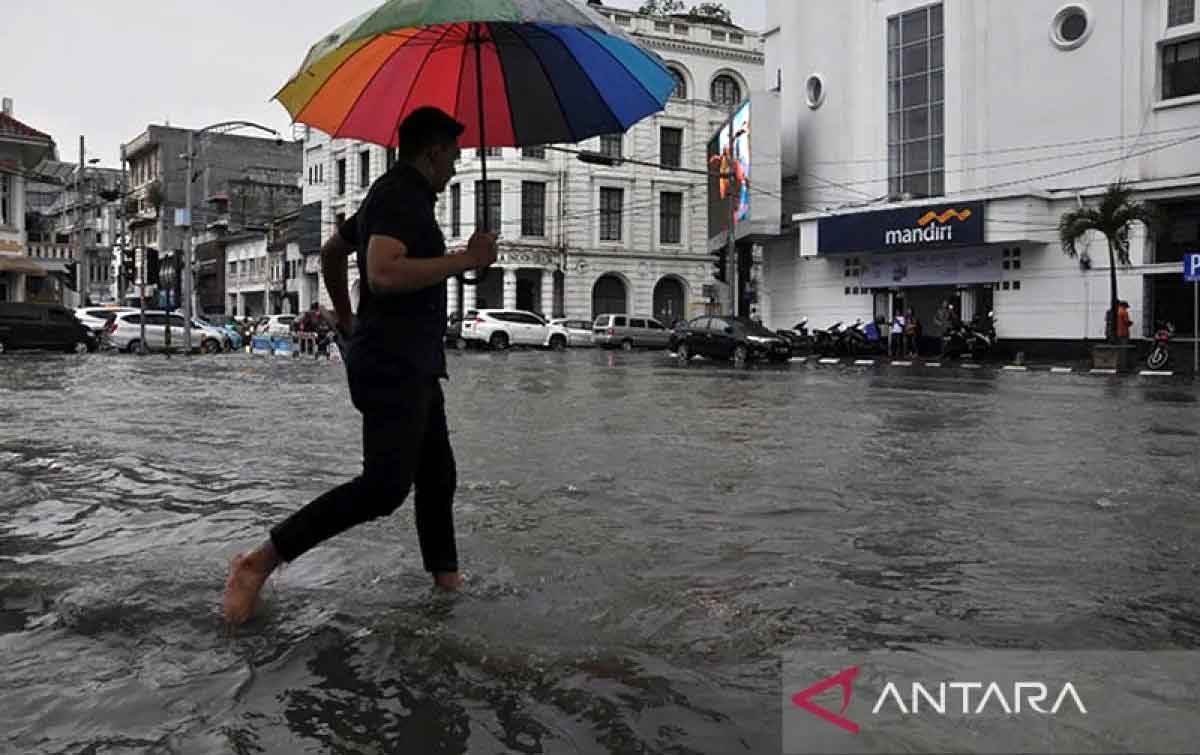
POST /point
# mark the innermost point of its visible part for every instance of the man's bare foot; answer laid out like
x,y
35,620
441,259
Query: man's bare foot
x,y
247,574
450,581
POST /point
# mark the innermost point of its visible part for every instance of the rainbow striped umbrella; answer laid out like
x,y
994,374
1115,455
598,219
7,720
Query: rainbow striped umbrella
x,y
515,72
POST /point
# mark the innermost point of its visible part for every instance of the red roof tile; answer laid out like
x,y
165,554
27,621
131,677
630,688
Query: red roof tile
x,y
10,126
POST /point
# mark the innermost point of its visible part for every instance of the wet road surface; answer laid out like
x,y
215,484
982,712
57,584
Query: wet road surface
x,y
641,543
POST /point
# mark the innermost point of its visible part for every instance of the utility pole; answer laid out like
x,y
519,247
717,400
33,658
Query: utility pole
x,y
187,249
731,248
122,237
80,268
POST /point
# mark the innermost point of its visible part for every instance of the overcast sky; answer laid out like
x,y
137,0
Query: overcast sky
x,y
105,70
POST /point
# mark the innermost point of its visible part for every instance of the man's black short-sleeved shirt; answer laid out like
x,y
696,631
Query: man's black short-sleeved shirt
x,y
398,335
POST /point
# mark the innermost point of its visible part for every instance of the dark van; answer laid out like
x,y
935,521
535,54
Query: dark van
x,y
43,326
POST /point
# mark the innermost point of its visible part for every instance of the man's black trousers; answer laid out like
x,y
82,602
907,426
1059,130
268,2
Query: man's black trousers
x,y
406,444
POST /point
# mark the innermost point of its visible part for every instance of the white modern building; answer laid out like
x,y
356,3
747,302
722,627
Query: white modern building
x,y
929,150
580,239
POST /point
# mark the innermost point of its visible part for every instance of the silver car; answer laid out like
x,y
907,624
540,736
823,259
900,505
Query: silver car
x,y
124,333
579,332
629,332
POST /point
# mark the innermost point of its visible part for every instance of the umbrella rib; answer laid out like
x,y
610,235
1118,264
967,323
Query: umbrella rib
x,y
370,81
621,63
599,95
546,73
417,78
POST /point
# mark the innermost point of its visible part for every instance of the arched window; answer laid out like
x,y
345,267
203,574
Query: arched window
x,y
726,91
680,84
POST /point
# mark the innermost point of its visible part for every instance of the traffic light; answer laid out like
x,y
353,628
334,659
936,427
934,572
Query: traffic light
x,y
720,265
150,274
128,266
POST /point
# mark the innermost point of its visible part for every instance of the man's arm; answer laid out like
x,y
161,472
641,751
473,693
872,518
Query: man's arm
x,y
390,269
334,256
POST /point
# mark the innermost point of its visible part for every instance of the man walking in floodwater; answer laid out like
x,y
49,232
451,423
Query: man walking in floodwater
x,y
395,361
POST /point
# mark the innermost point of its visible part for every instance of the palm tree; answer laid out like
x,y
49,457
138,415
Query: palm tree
x,y
1112,218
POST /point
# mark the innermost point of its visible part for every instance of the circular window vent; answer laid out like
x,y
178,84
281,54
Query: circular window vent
x,y
814,91
1071,27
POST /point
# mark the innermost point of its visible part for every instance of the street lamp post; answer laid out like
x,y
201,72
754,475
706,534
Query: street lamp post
x,y
224,127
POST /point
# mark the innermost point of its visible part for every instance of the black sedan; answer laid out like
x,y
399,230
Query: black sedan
x,y
739,340
43,326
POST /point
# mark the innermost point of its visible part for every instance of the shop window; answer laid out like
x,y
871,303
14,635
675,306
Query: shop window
x,y
1011,259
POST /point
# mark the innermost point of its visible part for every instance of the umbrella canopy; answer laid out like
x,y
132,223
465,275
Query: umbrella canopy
x,y
541,71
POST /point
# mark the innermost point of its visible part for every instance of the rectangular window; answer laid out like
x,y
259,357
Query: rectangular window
x,y
718,36
611,202
493,198
456,210
341,177
391,157
537,153
622,20
915,94
5,199
1181,69
610,146
533,208
364,169
681,30
662,26
736,39
670,217
491,152
1180,12
671,147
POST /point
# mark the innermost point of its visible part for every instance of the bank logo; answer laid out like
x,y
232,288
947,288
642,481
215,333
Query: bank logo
x,y
932,227
843,679
945,217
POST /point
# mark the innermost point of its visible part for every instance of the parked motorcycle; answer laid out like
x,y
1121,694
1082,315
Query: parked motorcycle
x,y
825,341
977,339
1160,354
799,337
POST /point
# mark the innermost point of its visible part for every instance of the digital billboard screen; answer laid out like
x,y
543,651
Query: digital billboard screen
x,y
729,172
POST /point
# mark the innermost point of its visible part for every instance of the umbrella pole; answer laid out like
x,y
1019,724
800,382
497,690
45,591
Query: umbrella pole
x,y
483,153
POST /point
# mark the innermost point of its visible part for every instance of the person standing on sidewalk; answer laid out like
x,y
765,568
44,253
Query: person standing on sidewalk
x,y
395,361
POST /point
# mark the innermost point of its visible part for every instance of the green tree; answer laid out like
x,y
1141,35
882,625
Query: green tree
x,y
661,7
716,11
1112,218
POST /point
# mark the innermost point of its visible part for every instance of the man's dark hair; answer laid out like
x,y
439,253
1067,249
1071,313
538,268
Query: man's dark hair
x,y
426,127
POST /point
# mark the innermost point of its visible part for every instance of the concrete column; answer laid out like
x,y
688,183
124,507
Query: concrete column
x,y
241,304
267,308
452,296
510,288
967,297
18,292
469,300
547,303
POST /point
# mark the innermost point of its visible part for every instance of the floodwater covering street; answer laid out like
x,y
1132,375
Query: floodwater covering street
x,y
641,541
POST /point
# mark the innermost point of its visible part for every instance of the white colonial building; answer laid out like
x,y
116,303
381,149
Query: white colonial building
x,y
583,239
905,120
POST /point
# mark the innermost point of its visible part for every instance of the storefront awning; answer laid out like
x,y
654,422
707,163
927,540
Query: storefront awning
x,y
10,264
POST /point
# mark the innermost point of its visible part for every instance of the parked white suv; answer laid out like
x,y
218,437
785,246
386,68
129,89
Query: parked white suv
x,y
501,328
124,333
96,319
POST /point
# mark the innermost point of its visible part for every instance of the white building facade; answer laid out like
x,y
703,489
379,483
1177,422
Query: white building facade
x,y
580,239
989,120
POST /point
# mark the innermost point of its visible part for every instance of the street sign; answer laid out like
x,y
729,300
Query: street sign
x,y
1191,267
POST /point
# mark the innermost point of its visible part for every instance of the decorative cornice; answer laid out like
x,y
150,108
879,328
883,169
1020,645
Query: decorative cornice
x,y
748,56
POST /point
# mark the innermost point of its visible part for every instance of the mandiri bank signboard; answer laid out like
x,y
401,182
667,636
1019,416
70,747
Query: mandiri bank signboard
x,y
905,229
